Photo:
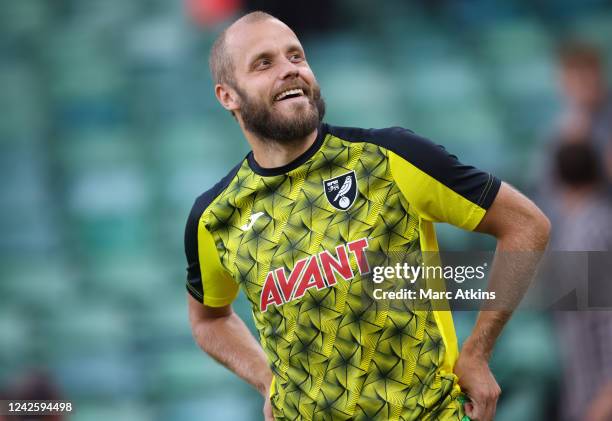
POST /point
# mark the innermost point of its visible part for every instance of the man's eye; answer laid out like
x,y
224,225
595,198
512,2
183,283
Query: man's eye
x,y
263,64
296,57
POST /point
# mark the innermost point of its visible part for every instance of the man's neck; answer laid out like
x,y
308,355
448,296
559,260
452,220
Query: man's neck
x,y
271,154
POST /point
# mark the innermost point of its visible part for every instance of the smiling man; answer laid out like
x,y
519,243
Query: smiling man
x,y
291,225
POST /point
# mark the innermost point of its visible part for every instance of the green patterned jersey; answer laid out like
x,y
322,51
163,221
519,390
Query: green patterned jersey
x,y
295,240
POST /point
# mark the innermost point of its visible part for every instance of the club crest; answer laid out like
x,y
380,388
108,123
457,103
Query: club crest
x,y
341,191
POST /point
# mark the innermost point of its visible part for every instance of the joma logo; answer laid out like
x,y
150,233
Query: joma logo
x,y
319,271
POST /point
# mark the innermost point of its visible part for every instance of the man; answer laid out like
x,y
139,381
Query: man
x,y
588,106
585,337
586,116
291,225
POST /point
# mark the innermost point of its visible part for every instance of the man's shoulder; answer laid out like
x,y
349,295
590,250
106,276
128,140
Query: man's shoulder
x,y
402,141
372,135
204,200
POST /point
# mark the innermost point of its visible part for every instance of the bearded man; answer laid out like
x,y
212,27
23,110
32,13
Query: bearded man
x,y
291,225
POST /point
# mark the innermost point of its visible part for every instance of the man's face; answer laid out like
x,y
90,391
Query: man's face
x,y
279,97
584,85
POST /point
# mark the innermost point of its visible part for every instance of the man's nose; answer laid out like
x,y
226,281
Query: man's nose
x,y
289,69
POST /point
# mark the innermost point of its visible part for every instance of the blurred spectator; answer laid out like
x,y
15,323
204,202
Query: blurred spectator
x,y
589,105
585,336
3,397
34,385
587,117
212,12
585,208
305,18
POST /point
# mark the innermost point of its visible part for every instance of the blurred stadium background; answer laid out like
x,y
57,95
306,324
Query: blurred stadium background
x,y
110,129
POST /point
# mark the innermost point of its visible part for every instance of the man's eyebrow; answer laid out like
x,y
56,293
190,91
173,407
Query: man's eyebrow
x,y
294,47
259,56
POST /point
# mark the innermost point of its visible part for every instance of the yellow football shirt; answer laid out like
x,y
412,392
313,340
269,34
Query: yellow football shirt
x,y
295,239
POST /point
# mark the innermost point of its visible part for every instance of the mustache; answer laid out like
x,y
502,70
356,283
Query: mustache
x,y
315,89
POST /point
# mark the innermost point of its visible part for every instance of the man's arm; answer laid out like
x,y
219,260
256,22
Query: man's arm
x,y
224,336
522,232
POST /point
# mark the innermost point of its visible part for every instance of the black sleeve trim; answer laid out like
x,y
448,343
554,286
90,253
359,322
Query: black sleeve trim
x,y
194,281
477,186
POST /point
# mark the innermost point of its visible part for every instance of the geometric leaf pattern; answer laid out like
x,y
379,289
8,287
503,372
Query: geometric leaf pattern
x,y
333,356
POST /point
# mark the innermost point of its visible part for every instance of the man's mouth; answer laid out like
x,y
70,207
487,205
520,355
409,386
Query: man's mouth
x,y
289,93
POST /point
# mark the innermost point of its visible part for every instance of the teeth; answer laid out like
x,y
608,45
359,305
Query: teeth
x,y
283,94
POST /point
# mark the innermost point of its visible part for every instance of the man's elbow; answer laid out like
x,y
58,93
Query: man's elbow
x,y
527,228
539,227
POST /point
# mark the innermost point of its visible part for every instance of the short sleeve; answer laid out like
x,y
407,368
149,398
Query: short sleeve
x,y
436,184
207,280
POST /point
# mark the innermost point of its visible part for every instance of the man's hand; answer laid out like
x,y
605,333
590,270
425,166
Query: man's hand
x,y
267,409
478,383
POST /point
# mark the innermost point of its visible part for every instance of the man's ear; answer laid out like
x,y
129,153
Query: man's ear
x,y
227,96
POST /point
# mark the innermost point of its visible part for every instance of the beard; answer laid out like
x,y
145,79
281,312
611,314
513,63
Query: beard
x,y
273,126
